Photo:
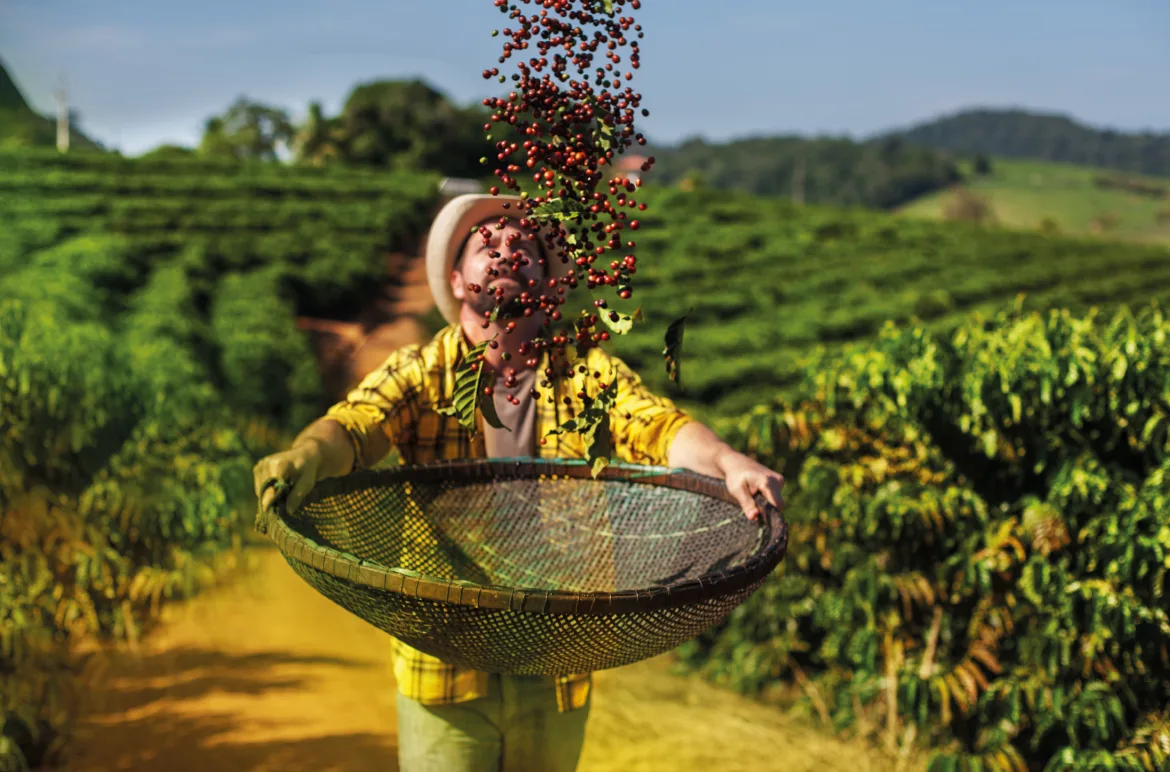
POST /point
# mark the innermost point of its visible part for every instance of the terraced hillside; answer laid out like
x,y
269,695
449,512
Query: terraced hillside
x,y
765,283
333,248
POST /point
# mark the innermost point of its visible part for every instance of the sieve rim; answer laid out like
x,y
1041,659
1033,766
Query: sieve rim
x,y
296,546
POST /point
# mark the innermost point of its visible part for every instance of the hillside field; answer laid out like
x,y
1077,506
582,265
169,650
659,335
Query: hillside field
x,y
147,326
765,282
1023,194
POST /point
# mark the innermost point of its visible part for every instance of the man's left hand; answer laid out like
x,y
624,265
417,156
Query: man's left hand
x,y
745,478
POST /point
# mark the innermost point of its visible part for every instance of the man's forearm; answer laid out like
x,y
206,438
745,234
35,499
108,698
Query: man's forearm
x,y
699,449
336,447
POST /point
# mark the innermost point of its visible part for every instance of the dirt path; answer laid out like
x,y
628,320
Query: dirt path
x,y
347,351
267,674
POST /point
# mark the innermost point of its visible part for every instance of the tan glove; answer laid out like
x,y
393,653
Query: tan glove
x,y
298,467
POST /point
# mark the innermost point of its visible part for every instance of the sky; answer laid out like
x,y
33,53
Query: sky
x,y
146,72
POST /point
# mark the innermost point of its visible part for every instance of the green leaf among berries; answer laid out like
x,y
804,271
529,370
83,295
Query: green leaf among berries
x,y
605,141
599,446
469,394
608,6
673,350
593,424
558,209
622,323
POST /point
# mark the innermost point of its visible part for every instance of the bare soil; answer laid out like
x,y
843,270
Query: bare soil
x,y
267,674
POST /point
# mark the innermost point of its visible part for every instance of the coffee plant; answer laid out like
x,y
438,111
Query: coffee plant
x,y
115,496
240,249
980,541
327,231
764,285
148,357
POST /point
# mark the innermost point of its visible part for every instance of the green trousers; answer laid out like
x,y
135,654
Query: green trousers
x,y
515,728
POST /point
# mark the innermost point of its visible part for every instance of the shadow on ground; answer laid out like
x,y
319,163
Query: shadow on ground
x,y
158,712
267,674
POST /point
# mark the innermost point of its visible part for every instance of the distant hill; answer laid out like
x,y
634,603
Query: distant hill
x,y
1057,198
20,126
1015,133
880,174
10,96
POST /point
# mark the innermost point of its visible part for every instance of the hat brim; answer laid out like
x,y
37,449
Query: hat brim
x,y
452,225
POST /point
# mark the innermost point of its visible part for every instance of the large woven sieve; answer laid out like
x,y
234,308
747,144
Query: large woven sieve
x,y
529,566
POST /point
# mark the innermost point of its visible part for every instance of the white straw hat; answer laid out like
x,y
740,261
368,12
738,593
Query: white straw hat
x,y
452,225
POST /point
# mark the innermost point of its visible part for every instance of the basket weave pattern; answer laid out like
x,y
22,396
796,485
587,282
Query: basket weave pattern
x,y
529,566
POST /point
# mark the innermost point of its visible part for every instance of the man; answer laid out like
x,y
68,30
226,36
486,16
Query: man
x,y
451,719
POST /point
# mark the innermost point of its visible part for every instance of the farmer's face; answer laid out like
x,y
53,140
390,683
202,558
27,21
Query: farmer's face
x,y
490,266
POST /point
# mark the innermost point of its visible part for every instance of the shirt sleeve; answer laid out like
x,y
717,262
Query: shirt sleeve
x,y
643,424
383,409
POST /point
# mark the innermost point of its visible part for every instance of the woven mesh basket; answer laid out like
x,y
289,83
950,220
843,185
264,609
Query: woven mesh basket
x,y
530,566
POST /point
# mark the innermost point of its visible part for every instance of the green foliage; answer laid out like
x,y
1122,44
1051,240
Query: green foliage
x,y
328,229
469,393
114,496
148,356
407,125
145,245
169,340
10,96
593,424
247,131
765,284
89,275
980,540
266,364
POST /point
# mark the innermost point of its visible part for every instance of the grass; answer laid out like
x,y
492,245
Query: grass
x,y
1023,194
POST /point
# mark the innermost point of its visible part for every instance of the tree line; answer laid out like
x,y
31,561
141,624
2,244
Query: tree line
x,y
411,125
404,125
1044,137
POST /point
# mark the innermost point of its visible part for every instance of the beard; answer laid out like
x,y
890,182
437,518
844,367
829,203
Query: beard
x,y
484,302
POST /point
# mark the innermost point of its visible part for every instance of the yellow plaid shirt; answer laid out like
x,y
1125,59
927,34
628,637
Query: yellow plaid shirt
x,y
396,406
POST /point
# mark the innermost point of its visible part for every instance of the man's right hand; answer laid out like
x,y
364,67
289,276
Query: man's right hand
x,y
299,466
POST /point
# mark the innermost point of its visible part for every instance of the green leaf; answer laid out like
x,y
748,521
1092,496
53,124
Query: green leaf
x,y
990,443
599,450
469,394
593,424
600,445
673,350
599,465
487,405
608,6
624,321
605,141
558,209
